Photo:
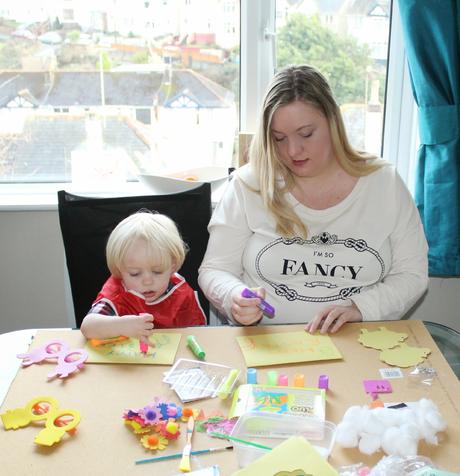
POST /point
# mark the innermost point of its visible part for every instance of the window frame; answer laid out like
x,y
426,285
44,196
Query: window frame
x,y
399,142
257,66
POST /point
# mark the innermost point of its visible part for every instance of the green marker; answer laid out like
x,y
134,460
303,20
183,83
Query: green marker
x,y
195,347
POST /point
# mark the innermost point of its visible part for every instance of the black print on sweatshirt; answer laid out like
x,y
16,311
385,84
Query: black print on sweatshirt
x,y
318,274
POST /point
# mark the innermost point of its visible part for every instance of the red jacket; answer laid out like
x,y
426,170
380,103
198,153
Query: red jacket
x,y
179,307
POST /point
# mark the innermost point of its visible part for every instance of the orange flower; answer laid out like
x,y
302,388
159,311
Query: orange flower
x,y
154,442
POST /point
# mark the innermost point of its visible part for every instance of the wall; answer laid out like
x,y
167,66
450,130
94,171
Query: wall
x,y
32,271
34,290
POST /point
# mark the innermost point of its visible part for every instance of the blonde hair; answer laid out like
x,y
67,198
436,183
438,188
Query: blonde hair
x,y
307,84
166,247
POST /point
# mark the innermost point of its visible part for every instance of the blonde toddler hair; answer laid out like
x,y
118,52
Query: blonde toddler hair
x,y
166,246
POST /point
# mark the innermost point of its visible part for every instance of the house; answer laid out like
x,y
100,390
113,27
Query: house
x,y
54,116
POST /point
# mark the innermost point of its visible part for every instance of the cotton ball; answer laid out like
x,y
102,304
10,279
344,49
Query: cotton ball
x,y
387,416
346,434
408,440
425,405
369,443
353,413
390,440
411,429
408,415
356,415
430,421
435,419
428,434
372,424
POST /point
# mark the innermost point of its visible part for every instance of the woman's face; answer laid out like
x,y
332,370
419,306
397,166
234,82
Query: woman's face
x,y
303,140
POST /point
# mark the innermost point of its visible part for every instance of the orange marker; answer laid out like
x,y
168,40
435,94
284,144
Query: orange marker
x,y
110,340
299,380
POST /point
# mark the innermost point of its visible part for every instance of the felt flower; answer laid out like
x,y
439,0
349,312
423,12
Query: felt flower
x,y
163,408
137,427
169,410
129,414
174,411
187,412
151,414
154,442
170,430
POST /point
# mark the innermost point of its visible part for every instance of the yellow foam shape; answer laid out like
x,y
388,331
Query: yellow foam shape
x,y
21,417
404,356
381,338
52,433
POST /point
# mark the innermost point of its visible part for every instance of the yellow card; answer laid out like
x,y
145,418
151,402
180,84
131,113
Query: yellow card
x,y
381,338
284,348
404,355
128,352
294,457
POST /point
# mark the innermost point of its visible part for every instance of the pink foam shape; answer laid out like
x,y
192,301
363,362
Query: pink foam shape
x,y
44,352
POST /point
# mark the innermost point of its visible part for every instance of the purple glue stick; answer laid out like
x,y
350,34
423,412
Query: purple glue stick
x,y
268,310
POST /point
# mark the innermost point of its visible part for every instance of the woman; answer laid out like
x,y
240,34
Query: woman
x,y
326,234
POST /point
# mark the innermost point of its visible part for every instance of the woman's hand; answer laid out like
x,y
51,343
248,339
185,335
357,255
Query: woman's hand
x,y
245,311
332,318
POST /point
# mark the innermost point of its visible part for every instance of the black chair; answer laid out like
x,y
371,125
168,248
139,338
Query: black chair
x,y
86,223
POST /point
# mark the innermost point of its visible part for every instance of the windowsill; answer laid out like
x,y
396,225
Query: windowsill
x,y
41,197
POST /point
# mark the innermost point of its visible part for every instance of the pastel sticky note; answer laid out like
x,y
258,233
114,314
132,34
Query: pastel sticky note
x,y
404,356
381,338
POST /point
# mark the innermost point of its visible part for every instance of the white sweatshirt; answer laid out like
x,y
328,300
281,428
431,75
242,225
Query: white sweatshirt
x,y
369,248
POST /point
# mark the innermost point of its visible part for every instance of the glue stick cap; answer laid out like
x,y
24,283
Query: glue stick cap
x,y
251,376
272,377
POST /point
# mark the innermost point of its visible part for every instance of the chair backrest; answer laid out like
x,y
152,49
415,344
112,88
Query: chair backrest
x,y
86,223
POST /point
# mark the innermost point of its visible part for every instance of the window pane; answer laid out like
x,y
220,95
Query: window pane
x,y
348,42
98,92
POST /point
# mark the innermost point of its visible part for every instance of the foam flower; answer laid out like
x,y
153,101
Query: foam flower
x,y
151,414
170,430
137,427
129,414
169,410
154,442
187,412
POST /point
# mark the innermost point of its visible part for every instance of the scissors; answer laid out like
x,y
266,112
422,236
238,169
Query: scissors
x,y
38,409
56,349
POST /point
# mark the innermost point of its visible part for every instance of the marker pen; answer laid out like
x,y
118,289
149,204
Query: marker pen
x,y
195,347
226,387
268,310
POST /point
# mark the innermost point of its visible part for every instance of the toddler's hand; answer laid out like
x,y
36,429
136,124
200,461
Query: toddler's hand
x,y
246,310
140,326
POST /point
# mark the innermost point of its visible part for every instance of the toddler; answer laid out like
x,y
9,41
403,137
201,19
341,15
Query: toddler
x,y
144,253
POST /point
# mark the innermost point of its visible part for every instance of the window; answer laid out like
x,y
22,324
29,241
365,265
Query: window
x,y
348,42
154,86
144,86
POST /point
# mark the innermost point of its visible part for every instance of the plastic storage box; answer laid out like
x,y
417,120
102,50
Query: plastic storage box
x,y
271,429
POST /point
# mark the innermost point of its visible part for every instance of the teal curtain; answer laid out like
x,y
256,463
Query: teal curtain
x,y
431,30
